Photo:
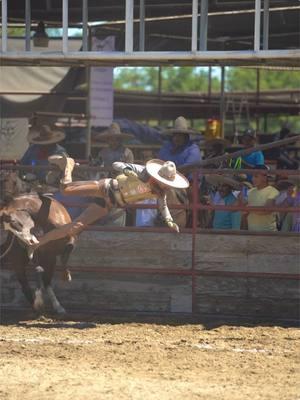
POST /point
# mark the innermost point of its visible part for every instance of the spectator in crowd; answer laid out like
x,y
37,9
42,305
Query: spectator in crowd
x,y
223,219
289,197
254,159
116,150
215,148
43,142
180,148
262,194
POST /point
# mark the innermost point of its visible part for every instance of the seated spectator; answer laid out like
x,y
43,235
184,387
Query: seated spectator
x,y
223,219
289,197
180,148
116,150
254,159
214,148
262,194
43,142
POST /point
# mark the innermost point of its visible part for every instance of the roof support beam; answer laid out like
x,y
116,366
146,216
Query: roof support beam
x,y
65,15
203,25
85,19
4,25
129,26
142,26
27,24
195,25
257,25
266,24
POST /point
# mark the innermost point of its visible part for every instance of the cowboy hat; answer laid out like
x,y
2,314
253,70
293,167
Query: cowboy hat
x,y
165,172
215,179
180,126
44,135
113,131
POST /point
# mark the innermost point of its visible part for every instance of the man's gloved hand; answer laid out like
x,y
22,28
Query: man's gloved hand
x,y
172,225
129,172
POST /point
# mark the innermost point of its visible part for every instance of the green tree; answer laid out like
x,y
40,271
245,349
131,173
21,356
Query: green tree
x,y
174,79
244,79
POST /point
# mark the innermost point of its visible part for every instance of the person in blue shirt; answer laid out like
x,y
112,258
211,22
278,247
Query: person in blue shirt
x,y
255,158
43,142
223,219
180,148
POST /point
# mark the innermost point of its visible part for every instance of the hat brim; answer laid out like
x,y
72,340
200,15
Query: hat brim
x,y
216,180
34,137
179,182
173,131
105,136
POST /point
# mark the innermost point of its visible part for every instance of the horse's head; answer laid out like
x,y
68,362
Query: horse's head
x,y
11,186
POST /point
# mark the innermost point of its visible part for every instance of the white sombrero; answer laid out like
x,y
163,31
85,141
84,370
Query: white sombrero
x,y
180,126
113,131
44,135
215,179
165,172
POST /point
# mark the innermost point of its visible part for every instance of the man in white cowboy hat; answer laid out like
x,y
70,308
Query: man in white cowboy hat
x,y
43,142
116,151
223,219
135,183
180,148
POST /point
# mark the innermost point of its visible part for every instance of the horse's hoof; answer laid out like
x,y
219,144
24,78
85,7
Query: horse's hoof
x,y
61,311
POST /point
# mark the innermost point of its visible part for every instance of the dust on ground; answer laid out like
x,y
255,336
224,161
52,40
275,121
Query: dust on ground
x,y
48,359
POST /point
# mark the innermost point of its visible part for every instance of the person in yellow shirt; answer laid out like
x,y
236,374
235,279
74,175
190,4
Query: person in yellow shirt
x,y
262,194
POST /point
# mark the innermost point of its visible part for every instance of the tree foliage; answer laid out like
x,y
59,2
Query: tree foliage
x,y
244,79
173,79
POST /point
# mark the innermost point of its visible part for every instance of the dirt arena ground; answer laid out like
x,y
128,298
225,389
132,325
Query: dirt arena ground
x,y
48,359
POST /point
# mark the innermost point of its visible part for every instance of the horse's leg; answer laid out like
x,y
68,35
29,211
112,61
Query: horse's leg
x,y
49,264
38,304
20,261
64,258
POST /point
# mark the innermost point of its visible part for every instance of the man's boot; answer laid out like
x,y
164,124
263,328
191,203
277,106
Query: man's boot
x,y
65,164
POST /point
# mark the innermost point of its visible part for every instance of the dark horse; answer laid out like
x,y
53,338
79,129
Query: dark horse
x,y
26,215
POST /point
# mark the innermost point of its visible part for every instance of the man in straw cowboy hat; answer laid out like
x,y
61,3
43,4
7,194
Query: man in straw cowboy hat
x,y
223,219
43,141
135,183
116,151
180,148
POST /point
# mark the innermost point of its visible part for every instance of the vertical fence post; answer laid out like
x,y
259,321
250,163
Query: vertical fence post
x,y
129,26
27,25
65,21
85,19
142,26
222,102
257,25
195,25
203,25
266,25
194,233
4,25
